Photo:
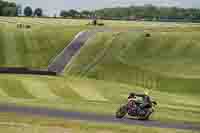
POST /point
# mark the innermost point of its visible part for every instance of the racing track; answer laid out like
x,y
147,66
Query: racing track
x,y
93,117
61,60
56,67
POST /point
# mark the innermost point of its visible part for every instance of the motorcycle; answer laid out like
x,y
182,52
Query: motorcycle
x,y
140,109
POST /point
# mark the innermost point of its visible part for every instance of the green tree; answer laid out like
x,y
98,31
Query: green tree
x,y
86,14
64,13
38,12
28,11
9,11
74,13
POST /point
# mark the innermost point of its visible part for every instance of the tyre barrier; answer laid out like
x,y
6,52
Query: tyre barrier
x,y
22,70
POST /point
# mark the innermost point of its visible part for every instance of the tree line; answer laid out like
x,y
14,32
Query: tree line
x,y
7,8
149,12
76,14
28,11
146,12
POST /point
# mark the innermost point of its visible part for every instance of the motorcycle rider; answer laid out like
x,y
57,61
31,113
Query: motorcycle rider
x,y
138,106
132,103
132,100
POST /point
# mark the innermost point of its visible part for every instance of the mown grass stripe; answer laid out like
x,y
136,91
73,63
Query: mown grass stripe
x,y
60,88
13,88
38,89
10,54
21,47
2,93
2,60
87,91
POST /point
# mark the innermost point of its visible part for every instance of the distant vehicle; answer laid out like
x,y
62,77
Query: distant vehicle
x,y
141,107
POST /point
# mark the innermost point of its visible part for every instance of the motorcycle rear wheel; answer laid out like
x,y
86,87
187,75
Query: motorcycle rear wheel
x,y
121,112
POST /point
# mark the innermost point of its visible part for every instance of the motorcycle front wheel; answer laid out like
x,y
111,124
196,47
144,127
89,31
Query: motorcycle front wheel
x,y
121,112
146,116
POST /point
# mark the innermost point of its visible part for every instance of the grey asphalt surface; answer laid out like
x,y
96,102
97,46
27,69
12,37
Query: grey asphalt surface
x,y
61,60
92,117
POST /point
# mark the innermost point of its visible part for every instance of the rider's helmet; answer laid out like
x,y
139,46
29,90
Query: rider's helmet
x,y
131,95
